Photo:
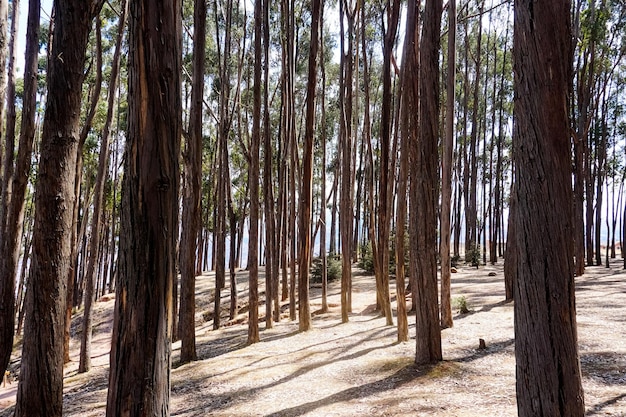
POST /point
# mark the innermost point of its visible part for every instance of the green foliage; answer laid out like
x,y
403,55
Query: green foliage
x,y
367,259
460,304
472,255
454,260
333,269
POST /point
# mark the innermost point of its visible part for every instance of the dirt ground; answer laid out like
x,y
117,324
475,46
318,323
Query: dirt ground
x,y
358,368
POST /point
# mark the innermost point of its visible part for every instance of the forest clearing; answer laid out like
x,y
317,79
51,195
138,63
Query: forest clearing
x,y
358,368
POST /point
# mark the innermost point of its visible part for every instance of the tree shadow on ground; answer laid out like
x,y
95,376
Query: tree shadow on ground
x,y
403,376
598,408
604,367
223,401
492,348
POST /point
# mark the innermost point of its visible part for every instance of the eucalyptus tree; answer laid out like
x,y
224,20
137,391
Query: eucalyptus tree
x,y
424,190
12,222
253,177
385,184
446,170
40,390
307,172
139,378
192,157
546,350
347,11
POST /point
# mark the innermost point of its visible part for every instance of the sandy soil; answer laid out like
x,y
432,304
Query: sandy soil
x,y
358,368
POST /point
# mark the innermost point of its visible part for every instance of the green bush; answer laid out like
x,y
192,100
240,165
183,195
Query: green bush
x,y
460,304
333,269
367,259
473,255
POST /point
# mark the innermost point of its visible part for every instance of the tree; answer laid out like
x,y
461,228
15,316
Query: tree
x,y
304,309
8,241
4,47
424,193
139,382
411,48
446,171
546,350
345,150
385,184
191,199
40,391
253,178
98,206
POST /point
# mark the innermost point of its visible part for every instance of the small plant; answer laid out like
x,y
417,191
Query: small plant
x,y
333,269
367,259
460,304
473,255
454,261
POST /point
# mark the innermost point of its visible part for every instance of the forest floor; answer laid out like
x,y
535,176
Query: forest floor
x,y
358,368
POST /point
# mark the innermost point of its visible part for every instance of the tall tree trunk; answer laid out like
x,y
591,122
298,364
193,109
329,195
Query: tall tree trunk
x,y
426,198
139,378
323,252
472,243
546,351
11,233
346,201
385,184
191,197
498,175
410,53
446,171
98,210
306,196
223,180
253,178
271,271
4,48
40,391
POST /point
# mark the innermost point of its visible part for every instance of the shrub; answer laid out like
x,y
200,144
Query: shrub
x,y
460,304
367,259
333,269
473,255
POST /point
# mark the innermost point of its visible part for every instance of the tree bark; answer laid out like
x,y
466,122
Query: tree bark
x,y
98,210
345,201
546,351
40,391
426,181
253,178
191,198
10,226
139,378
446,171
385,184
306,193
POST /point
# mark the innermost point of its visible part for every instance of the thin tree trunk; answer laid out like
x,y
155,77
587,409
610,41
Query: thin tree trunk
x,y
306,196
191,197
385,184
446,171
253,176
323,253
346,201
11,231
98,210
